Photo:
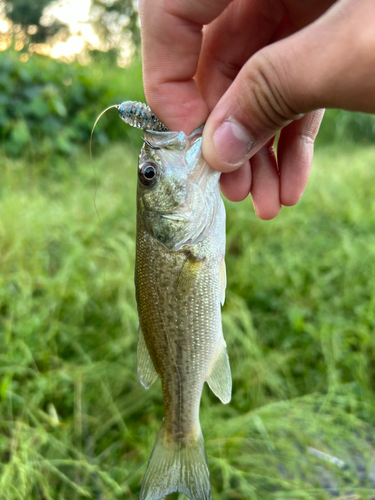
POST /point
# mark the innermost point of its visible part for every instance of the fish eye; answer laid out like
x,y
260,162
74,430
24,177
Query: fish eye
x,y
148,173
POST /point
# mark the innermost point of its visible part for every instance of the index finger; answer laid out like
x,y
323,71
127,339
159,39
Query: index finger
x,y
171,42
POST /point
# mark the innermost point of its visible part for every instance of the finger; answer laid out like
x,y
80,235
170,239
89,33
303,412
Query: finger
x,y
230,40
242,29
236,185
266,183
294,155
290,78
171,41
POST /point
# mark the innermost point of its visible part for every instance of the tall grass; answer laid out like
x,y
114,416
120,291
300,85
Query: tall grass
x,y
298,320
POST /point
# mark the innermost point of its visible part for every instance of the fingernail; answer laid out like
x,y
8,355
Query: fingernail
x,y
232,142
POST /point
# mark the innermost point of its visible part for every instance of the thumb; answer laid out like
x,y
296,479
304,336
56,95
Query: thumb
x,y
326,64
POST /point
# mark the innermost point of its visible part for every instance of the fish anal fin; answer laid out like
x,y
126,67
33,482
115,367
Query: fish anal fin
x,y
223,281
176,466
220,378
145,367
189,275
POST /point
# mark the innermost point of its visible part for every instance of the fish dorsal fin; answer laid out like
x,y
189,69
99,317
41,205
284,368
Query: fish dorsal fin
x,y
145,367
220,379
223,281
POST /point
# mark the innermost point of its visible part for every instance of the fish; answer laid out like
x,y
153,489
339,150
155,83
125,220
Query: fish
x,y
180,281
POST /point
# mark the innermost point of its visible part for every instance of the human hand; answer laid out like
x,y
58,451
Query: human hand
x,y
258,67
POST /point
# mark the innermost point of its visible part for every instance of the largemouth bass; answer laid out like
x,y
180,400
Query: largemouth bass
x,y
180,282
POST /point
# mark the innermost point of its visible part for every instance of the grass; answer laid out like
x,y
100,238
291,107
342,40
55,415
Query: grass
x,y
299,323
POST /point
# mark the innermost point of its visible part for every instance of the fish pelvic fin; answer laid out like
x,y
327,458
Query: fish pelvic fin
x,y
145,367
177,466
220,378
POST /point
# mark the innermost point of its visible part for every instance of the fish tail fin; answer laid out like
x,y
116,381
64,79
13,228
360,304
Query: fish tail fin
x,y
177,465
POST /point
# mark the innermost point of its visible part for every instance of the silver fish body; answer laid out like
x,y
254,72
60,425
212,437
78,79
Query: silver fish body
x,y
180,285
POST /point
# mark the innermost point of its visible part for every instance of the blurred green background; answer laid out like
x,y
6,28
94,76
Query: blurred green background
x,y
299,317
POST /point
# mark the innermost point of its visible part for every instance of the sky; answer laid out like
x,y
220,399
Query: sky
x,y
75,14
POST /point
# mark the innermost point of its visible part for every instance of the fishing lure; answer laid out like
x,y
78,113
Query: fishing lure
x,y
139,115
136,114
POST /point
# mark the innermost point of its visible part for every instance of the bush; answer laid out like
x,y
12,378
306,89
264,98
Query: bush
x,y
47,106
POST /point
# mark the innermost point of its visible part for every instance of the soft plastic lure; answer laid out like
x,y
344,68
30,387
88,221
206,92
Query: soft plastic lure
x,y
136,114
139,115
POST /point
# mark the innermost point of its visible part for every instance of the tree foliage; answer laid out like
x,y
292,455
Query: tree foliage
x,y
115,20
28,13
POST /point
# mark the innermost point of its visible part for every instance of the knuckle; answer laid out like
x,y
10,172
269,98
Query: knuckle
x,y
195,11
306,138
270,96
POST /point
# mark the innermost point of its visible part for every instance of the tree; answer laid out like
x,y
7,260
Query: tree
x,y
28,13
114,21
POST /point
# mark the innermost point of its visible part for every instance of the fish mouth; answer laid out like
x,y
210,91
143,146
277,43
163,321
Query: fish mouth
x,y
149,144
199,171
170,139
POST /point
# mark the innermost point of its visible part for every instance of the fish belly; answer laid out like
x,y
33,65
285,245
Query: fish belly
x,y
179,309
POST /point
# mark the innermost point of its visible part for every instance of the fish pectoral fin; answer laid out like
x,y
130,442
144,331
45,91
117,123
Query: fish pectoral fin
x,y
145,367
188,275
220,378
223,281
